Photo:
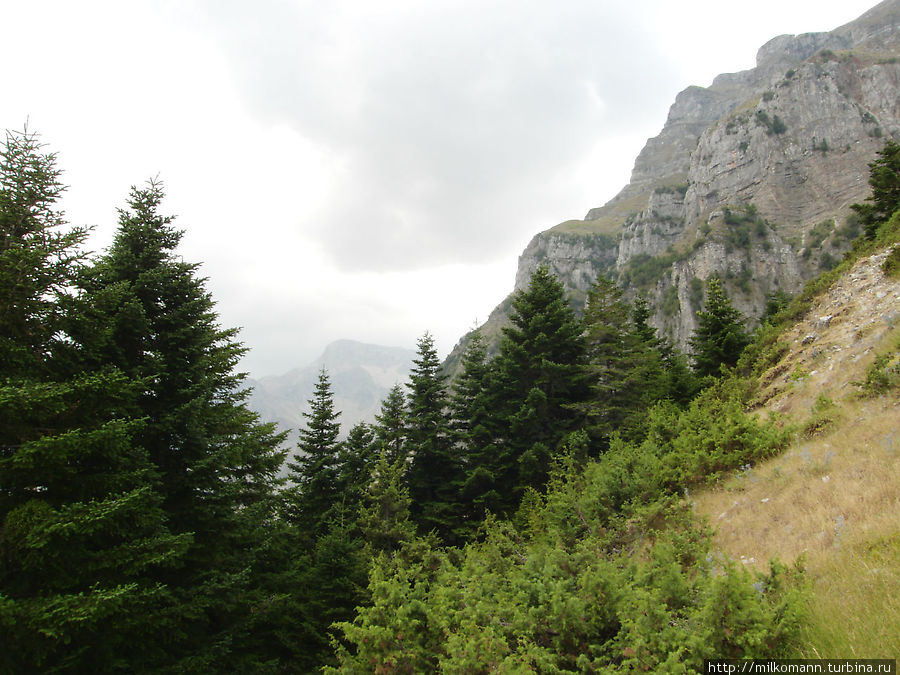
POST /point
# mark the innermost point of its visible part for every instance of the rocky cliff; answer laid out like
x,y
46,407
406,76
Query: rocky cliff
x,y
750,179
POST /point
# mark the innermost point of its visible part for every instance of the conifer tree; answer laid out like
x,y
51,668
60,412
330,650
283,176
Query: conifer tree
x,y
216,465
82,533
384,516
624,368
679,384
39,254
474,427
720,336
314,471
390,427
884,179
434,469
539,383
356,459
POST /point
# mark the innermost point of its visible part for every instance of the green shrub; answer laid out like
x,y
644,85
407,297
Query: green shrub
x,y
891,264
882,376
824,414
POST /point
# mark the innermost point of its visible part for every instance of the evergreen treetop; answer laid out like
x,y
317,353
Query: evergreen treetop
x,y
316,465
720,336
884,179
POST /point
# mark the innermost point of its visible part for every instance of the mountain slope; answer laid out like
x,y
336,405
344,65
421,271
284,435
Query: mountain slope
x,y
831,500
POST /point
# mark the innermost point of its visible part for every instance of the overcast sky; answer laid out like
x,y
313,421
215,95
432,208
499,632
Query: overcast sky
x,y
364,169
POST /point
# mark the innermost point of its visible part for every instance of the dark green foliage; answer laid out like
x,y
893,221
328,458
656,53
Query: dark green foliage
x,y
539,381
884,178
624,370
475,427
720,336
670,305
744,224
82,532
384,515
215,464
679,189
883,375
605,574
39,257
643,270
390,427
315,469
434,472
773,125
356,459
776,301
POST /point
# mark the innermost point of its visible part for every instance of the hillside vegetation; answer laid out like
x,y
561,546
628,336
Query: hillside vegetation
x,y
830,501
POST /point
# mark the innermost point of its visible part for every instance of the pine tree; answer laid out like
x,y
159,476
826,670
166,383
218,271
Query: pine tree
x,y
390,427
884,179
624,368
384,516
216,464
39,254
679,384
539,383
82,534
356,459
474,427
720,337
434,470
315,469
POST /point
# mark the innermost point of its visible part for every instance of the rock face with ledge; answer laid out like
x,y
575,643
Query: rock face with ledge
x,y
750,179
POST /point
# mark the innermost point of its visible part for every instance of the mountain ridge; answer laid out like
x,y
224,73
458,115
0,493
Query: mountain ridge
x,y
738,180
361,376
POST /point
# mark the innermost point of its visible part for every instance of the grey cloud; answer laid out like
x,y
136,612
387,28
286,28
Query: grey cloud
x,y
453,121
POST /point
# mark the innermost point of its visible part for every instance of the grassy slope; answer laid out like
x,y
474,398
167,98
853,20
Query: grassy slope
x,y
833,499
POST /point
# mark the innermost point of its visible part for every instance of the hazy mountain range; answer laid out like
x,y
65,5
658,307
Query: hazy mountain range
x,y
361,376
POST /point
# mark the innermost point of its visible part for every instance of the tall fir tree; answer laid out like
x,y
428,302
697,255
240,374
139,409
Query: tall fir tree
x,y
884,179
434,469
390,425
384,515
624,368
475,432
216,464
539,384
315,469
680,385
82,532
356,459
720,336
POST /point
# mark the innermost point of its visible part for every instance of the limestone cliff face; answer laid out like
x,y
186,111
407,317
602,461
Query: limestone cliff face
x,y
750,179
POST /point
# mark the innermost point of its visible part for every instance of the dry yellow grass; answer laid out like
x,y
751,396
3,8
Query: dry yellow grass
x,y
832,500
809,500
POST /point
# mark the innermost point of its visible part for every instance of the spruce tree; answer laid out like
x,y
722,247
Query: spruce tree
x,y
216,465
539,383
624,368
884,179
356,458
384,515
720,336
679,384
315,469
434,469
390,427
474,427
39,254
82,532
